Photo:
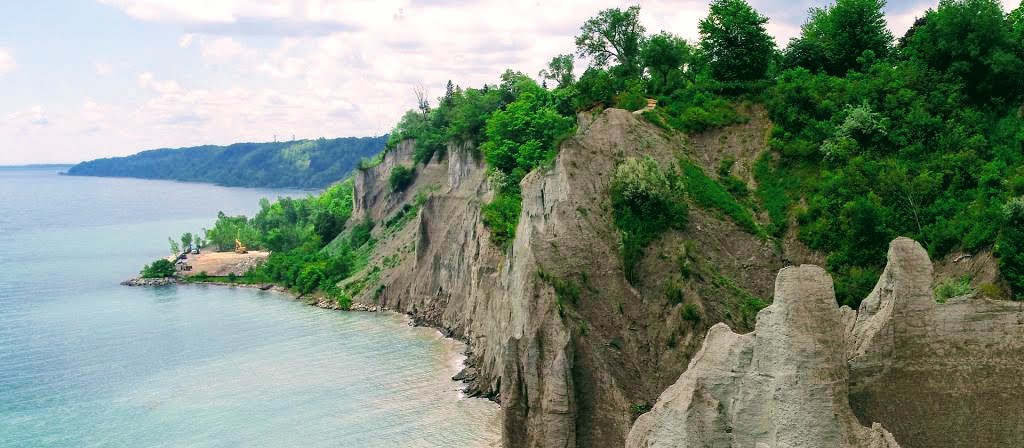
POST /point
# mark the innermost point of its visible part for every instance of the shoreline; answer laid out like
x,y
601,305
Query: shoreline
x,y
466,371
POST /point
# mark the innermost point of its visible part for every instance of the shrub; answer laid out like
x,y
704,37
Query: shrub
x,y
953,287
632,98
691,313
501,216
1010,246
361,233
674,293
159,269
705,191
401,177
645,203
639,408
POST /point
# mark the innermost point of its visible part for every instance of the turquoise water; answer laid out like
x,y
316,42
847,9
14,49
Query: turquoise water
x,y
85,362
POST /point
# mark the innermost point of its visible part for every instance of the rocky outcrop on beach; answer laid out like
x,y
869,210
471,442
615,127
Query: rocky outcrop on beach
x,y
139,281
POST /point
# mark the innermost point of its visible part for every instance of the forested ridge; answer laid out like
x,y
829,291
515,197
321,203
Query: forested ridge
x,y
293,164
874,136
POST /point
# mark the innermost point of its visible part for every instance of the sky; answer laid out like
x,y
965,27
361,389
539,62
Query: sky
x,y
83,79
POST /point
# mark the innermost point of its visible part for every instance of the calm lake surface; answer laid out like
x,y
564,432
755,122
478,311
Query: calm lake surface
x,y
85,362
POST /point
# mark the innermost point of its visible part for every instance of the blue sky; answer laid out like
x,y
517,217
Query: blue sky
x,y
83,79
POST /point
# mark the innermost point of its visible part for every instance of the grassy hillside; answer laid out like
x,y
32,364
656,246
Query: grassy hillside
x,y
298,164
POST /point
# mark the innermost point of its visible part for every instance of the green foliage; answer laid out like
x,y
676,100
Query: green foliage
x,y
158,269
566,290
970,42
735,42
842,37
645,203
1010,246
691,312
524,134
772,190
298,164
953,287
401,177
632,98
596,86
638,409
706,192
559,70
360,233
501,216
664,55
861,129
613,35
674,293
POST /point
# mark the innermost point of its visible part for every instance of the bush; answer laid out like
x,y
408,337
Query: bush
x,y
501,216
953,287
1010,247
159,269
401,177
361,233
706,192
645,203
691,313
633,97
674,293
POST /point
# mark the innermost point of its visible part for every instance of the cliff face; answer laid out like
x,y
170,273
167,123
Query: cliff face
x,y
936,375
574,352
569,371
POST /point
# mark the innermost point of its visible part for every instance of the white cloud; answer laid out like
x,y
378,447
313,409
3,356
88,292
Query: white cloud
x,y
186,40
34,116
103,68
7,62
224,49
148,81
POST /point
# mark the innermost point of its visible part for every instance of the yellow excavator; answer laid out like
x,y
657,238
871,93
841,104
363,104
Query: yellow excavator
x,y
239,247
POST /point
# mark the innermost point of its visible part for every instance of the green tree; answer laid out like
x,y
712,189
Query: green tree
x,y
972,42
401,177
664,54
158,269
836,38
523,135
559,70
175,249
613,34
735,42
186,240
1010,246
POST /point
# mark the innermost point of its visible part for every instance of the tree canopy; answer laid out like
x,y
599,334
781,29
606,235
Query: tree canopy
x,y
613,35
735,42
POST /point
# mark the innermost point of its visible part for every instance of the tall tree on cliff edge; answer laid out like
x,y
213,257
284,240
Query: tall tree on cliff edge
x,y
971,42
837,39
735,42
616,35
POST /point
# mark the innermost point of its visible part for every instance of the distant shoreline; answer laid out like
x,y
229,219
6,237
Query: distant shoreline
x,y
37,166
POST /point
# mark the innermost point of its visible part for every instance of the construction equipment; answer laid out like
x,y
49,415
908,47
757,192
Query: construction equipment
x,y
239,247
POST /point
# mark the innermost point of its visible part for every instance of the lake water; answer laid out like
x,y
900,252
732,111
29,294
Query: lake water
x,y
85,362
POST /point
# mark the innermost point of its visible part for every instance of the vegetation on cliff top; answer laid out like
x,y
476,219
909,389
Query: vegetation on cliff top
x,y
295,164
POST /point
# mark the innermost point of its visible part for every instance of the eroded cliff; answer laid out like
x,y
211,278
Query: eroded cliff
x,y
570,369
935,375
